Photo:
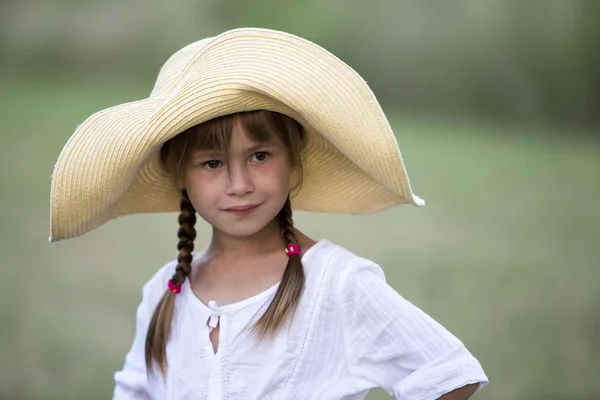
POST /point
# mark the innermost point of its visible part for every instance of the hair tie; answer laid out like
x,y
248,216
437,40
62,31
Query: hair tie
x,y
291,249
173,287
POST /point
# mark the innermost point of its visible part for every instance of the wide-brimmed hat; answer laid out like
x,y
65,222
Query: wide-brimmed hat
x,y
110,166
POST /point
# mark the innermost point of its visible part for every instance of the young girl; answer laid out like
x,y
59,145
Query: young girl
x,y
240,129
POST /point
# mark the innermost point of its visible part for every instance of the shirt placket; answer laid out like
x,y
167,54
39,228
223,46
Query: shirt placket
x,y
216,386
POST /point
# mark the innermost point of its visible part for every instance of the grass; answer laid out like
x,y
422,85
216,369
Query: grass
x,y
505,254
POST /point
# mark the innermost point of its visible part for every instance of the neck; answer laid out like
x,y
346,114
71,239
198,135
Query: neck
x,y
229,247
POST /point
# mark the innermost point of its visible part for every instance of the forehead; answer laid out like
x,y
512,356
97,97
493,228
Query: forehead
x,y
236,139
241,137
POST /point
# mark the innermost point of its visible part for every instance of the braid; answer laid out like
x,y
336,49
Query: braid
x,y
292,283
187,235
286,223
159,328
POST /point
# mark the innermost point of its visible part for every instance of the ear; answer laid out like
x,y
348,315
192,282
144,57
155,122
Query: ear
x,y
179,182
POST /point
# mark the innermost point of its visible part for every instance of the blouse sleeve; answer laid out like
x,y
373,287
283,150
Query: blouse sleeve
x,y
394,345
131,382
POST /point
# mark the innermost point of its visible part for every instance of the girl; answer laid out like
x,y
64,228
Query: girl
x,y
240,129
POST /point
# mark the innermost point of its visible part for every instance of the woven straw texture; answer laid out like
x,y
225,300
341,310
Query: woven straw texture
x,y
110,166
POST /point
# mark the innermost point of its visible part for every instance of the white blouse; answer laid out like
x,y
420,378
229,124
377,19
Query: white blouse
x,y
351,332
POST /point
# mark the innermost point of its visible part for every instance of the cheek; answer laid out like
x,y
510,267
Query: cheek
x,y
276,174
198,177
200,185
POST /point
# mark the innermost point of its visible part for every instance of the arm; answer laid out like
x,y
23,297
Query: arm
x,y
131,382
463,393
394,345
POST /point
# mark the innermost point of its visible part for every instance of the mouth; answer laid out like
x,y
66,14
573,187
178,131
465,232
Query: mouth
x,y
243,209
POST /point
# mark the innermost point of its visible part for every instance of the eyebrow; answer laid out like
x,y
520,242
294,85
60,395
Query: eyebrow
x,y
261,145
215,153
205,153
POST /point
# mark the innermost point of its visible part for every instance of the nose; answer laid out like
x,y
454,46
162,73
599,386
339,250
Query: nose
x,y
240,181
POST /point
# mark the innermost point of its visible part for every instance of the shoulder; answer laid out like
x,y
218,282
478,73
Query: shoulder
x,y
162,275
155,287
341,261
343,268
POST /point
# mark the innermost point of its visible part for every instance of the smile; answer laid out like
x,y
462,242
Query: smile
x,y
242,210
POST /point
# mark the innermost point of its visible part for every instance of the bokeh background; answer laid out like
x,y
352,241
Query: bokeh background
x,y
496,109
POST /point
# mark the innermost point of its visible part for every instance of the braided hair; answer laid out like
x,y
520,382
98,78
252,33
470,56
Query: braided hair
x,y
159,328
292,283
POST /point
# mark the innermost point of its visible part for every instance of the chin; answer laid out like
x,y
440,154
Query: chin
x,y
243,230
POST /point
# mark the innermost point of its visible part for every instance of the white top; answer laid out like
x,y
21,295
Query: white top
x,y
351,332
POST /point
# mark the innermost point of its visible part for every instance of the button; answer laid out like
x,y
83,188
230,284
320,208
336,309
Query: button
x,y
213,320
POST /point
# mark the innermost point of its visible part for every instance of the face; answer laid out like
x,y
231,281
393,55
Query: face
x,y
241,193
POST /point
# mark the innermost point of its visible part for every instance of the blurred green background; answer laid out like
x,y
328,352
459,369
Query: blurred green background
x,y
495,105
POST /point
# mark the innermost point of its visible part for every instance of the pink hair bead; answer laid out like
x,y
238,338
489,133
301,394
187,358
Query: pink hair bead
x,y
292,249
174,288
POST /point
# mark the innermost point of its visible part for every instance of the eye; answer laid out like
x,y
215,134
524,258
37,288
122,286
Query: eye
x,y
212,164
260,156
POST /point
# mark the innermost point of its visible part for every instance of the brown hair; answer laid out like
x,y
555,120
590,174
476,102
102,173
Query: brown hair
x,y
260,126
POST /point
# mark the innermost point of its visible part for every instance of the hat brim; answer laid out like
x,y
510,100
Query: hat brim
x,y
352,164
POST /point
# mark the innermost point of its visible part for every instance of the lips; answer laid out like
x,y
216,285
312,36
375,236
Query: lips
x,y
243,209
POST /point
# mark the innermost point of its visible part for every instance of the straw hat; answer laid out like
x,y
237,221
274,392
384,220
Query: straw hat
x,y
110,166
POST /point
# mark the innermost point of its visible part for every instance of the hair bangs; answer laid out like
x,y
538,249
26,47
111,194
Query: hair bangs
x,y
260,126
